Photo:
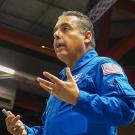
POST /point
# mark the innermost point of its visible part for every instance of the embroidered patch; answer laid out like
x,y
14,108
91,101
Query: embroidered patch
x,y
77,77
110,68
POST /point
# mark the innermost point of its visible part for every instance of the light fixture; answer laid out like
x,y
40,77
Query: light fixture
x,y
7,70
14,73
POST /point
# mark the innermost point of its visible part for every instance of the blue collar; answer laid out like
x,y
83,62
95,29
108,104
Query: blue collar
x,y
87,57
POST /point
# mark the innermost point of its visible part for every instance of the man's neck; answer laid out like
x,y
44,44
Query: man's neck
x,y
70,62
73,60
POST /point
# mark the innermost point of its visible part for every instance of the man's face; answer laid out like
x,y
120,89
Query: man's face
x,y
68,41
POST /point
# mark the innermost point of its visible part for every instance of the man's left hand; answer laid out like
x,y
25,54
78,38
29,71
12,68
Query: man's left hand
x,y
65,90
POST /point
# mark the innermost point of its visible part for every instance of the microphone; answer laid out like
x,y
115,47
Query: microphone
x,y
5,112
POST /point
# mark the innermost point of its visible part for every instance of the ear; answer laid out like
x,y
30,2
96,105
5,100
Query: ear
x,y
88,37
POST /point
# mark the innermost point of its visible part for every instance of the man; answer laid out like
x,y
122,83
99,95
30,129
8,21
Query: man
x,y
92,95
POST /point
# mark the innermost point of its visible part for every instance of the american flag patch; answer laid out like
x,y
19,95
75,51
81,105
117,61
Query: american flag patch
x,y
110,68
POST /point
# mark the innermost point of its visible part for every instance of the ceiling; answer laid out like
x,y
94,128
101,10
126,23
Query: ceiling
x,y
36,17
26,26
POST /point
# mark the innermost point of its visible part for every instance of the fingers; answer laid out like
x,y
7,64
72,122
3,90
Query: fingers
x,y
53,78
10,113
15,120
48,89
45,82
9,118
19,128
51,86
14,125
69,75
46,85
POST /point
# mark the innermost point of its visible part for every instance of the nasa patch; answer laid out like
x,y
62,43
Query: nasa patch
x,y
111,68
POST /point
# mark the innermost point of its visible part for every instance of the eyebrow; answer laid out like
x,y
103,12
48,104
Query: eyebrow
x,y
63,24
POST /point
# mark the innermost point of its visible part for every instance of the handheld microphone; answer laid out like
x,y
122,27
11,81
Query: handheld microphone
x,y
5,112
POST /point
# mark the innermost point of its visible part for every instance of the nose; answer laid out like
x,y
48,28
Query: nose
x,y
57,34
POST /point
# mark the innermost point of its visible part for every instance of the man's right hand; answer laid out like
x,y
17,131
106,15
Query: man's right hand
x,y
14,125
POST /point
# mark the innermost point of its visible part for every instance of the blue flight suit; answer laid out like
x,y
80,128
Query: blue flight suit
x,y
106,101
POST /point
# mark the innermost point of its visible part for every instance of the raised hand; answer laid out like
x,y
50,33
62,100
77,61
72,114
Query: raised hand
x,y
65,90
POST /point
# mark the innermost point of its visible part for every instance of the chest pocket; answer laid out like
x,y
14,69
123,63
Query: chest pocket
x,y
86,83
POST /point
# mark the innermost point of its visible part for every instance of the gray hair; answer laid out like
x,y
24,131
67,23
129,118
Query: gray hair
x,y
84,22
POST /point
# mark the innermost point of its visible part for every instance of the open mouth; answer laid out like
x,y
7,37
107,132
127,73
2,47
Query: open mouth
x,y
60,46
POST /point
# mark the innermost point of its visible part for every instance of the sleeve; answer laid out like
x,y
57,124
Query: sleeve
x,y
114,102
35,130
